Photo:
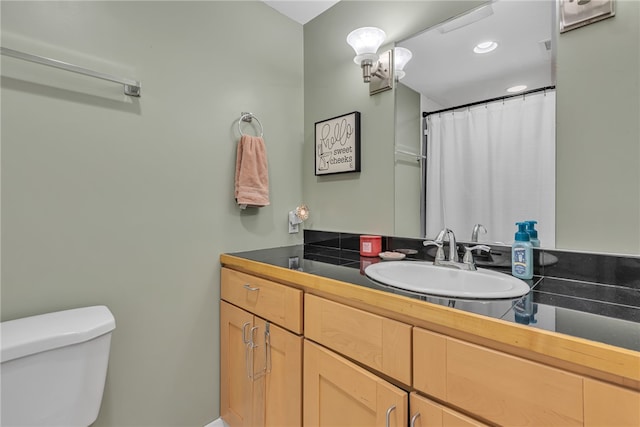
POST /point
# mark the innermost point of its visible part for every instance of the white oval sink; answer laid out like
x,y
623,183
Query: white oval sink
x,y
424,277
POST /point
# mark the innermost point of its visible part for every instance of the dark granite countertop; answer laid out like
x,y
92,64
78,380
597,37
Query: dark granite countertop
x,y
603,313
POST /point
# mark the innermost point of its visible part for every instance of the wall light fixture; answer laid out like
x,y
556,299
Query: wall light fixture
x,y
377,70
366,41
401,55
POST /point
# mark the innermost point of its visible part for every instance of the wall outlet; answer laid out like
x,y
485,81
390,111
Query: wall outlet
x,y
294,223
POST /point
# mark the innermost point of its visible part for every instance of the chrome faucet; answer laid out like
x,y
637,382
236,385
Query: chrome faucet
x,y
467,262
476,229
453,246
439,243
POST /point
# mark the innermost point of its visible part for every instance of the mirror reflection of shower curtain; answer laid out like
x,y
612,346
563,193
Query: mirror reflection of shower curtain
x,y
493,164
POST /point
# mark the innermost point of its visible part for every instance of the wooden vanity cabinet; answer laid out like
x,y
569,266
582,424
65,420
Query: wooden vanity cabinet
x,y
260,362
338,392
342,363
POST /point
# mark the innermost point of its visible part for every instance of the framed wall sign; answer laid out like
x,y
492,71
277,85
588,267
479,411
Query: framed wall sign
x,y
337,144
578,13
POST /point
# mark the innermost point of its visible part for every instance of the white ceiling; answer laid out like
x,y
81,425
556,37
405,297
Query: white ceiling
x,y
301,11
445,69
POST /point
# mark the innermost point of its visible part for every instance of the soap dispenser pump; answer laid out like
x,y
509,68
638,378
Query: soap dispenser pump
x,y
533,233
522,253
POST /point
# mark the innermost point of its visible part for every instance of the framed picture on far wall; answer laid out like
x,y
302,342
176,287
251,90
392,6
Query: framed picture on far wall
x,y
337,144
578,13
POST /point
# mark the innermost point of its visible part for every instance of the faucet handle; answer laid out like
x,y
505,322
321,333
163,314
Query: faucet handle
x,y
468,256
439,251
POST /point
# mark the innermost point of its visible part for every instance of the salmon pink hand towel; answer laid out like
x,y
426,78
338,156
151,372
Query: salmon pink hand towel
x,y
252,175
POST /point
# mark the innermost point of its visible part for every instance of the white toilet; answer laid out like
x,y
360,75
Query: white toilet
x,y
54,367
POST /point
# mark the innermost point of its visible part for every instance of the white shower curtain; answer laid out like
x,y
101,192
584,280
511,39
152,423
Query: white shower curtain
x,y
493,164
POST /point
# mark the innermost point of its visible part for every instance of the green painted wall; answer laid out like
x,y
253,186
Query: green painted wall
x,y
128,203
598,144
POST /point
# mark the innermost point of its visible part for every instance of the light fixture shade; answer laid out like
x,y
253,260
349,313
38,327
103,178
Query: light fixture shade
x,y
366,41
402,56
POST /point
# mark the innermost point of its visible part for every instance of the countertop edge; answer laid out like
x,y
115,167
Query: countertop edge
x,y
581,356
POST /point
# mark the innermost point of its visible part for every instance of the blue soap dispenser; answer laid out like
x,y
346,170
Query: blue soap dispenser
x,y
522,254
533,233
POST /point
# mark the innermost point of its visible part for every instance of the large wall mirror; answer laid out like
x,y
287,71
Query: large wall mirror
x,y
483,86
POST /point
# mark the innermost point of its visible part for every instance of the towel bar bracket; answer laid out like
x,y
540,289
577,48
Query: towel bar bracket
x,y
132,90
246,117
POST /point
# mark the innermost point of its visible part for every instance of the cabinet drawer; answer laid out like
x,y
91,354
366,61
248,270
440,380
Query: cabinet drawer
x,y
495,386
380,343
272,301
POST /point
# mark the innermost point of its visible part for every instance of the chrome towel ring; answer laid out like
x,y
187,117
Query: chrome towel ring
x,y
248,117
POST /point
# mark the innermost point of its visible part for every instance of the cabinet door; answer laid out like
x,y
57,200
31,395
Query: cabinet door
x,y
609,405
235,385
427,413
283,380
339,393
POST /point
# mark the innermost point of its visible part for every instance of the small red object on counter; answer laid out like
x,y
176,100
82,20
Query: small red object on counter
x,y
370,245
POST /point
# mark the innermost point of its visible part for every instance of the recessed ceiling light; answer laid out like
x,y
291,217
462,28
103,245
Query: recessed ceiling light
x,y
518,88
485,47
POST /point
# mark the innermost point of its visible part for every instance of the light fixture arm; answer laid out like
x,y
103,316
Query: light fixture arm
x,y
366,65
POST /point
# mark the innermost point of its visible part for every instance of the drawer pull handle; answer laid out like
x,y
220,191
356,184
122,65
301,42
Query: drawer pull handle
x,y
389,411
250,288
414,419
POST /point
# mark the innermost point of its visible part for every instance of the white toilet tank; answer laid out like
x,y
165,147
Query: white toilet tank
x,y
54,367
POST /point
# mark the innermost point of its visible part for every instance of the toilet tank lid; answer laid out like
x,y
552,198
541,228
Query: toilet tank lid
x,y
35,334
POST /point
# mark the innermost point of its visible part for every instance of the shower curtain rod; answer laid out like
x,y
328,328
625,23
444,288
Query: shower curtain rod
x,y
131,87
486,101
